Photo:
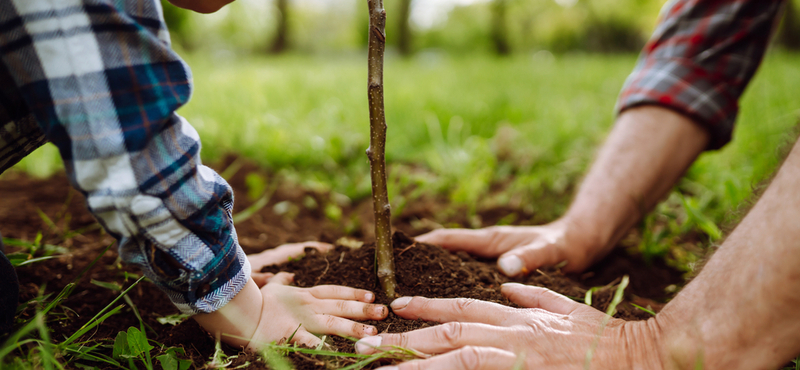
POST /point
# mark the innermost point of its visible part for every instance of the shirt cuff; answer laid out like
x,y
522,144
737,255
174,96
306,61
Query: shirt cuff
x,y
683,86
208,291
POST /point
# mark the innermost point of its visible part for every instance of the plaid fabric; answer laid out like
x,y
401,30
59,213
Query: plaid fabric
x,y
102,83
700,59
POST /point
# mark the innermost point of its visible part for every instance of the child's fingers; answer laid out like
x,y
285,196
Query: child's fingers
x,y
341,292
329,324
282,278
261,278
351,310
303,337
284,253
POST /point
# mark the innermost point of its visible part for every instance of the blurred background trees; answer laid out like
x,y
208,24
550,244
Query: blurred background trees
x,y
456,26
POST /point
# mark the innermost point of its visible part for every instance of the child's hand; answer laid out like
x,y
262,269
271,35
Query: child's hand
x,y
256,317
323,309
279,255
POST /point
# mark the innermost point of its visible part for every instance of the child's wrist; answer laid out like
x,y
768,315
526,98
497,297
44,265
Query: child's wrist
x,y
236,322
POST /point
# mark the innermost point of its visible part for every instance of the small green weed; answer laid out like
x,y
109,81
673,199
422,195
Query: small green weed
x,y
612,309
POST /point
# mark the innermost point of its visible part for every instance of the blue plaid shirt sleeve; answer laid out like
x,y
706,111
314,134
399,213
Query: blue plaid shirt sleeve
x,y
102,83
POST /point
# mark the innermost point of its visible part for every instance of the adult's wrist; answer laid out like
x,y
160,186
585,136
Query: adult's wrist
x,y
585,241
642,341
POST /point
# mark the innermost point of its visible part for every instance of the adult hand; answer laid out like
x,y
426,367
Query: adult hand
x,y
552,332
523,248
278,255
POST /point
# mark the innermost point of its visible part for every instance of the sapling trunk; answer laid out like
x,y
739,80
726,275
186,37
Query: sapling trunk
x,y
377,147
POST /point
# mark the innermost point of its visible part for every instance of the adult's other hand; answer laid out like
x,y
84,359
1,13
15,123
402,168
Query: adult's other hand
x,y
523,248
551,332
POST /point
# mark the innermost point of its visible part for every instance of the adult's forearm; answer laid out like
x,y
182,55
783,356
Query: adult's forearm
x,y
648,150
743,309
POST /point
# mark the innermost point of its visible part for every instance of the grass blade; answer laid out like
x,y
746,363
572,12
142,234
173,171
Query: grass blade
x,y
95,321
612,308
643,309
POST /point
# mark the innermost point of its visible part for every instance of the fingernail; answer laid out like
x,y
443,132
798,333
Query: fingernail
x,y
510,265
370,330
400,303
369,297
368,344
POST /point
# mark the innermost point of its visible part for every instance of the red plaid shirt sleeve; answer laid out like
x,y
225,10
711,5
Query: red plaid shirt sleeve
x,y
700,59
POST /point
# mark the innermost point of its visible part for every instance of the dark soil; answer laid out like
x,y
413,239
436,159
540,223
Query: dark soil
x,y
423,269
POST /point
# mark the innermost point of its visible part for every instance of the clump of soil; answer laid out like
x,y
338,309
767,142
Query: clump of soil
x,y
29,207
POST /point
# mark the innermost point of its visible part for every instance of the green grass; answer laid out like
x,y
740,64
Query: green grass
x,y
31,345
458,125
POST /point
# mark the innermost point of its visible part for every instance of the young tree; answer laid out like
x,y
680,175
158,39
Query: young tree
x,y
377,148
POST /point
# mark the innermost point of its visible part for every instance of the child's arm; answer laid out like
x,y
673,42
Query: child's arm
x,y
201,6
260,316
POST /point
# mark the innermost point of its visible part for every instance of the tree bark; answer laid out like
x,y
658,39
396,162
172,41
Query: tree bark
x,y
377,148
789,37
404,29
281,41
499,30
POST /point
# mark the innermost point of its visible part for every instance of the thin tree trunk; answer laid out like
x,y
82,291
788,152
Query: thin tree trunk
x,y
404,29
281,41
790,31
499,30
377,148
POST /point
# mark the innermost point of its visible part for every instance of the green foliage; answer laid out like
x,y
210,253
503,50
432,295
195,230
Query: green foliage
x,y
247,26
612,309
170,360
525,127
133,345
172,319
275,359
32,252
256,185
177,21
796,363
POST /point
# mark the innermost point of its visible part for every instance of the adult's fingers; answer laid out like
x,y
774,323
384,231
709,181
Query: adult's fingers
x,y
329,324
536,297
467,358
341,292
481,242
283,253
444,338
453,309
351,309
530,257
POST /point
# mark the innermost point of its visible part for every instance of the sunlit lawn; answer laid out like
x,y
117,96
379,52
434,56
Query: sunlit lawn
x,y
531,121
